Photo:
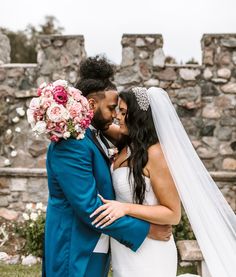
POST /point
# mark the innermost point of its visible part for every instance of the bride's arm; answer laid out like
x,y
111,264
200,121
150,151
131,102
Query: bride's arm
x,y
168,211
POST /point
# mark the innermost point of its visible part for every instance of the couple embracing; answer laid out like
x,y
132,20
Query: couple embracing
x,y
123,207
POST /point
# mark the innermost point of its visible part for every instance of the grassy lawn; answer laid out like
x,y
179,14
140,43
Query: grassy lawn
x,y
20,271
35,271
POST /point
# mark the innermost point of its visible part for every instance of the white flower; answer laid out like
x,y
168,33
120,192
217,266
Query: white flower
x,y
39,206
40,127
25,216
29,206
39,212
112,152
33,216
62,83
66,135
14,153
35,103
15,119
80,136
7,162
18,129
78,128
20,111
8,131
30,117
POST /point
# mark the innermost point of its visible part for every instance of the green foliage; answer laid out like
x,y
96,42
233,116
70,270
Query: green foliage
x,y
24,42
183,230
33,233
192,61
22,51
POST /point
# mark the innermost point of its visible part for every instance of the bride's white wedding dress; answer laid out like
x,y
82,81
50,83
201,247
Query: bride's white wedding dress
x,y
153,258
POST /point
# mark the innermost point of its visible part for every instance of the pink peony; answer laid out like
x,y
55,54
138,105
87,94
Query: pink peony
x,y
60,95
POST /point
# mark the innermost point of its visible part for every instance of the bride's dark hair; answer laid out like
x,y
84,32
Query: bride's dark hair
x,y
96,74
141,135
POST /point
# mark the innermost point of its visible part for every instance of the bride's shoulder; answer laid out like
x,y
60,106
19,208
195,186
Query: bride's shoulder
x,y
155,153
155,149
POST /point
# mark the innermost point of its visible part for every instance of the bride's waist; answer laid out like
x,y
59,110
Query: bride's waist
x,y
147,241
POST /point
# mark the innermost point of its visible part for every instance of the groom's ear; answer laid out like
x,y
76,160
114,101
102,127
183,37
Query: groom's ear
x,y
92,104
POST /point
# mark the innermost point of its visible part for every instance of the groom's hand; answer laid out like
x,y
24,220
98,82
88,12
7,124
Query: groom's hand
x,y
160,232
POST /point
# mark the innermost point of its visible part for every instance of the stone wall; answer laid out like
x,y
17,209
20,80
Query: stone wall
x,y
203,95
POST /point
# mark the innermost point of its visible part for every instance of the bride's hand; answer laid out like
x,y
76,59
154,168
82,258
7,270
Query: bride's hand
x,y
110,211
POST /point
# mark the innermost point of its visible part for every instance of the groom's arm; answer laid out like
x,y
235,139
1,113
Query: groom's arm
x,y
73,168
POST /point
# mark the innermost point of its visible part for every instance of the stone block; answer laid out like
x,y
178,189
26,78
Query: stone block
x,y
127,56
167,74
229,164
229,88
18,184
8,214
38,147
158,58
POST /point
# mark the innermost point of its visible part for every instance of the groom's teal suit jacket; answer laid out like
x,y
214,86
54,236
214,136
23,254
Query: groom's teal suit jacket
x,y
77,171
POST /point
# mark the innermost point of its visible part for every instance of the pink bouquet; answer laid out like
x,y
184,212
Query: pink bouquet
x,y
60,111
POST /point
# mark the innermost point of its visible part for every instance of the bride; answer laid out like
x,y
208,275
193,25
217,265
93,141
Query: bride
x,y
157,166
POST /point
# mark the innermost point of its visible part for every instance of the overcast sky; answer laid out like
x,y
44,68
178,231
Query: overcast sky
x,y
102,22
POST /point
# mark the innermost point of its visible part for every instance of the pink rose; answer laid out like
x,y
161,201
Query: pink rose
x,y
47,93
90,114
84,123
39,91
46,103
57,113
71,91
60,95
76,95
84,102
50,126
75,109
54,138
38,114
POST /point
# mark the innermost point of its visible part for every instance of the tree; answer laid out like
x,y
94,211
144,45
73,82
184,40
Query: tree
x,y
192,61
171,60
23,43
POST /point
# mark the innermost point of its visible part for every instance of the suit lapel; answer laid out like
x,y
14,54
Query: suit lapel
x,y
92,136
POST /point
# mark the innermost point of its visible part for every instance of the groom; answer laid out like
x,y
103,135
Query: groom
x,y
77,171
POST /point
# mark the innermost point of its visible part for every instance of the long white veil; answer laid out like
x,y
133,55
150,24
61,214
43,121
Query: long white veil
x,y
212,219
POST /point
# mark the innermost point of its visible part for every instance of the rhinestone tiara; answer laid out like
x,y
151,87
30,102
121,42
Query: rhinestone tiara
x,y
141,97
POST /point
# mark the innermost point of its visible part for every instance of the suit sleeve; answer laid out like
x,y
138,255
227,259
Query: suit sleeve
x,y
73,168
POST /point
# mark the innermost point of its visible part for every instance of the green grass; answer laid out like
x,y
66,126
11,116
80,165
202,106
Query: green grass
x,y
20,271
35,271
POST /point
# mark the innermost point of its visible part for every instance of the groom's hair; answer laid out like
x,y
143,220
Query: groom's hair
x,y
96,74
